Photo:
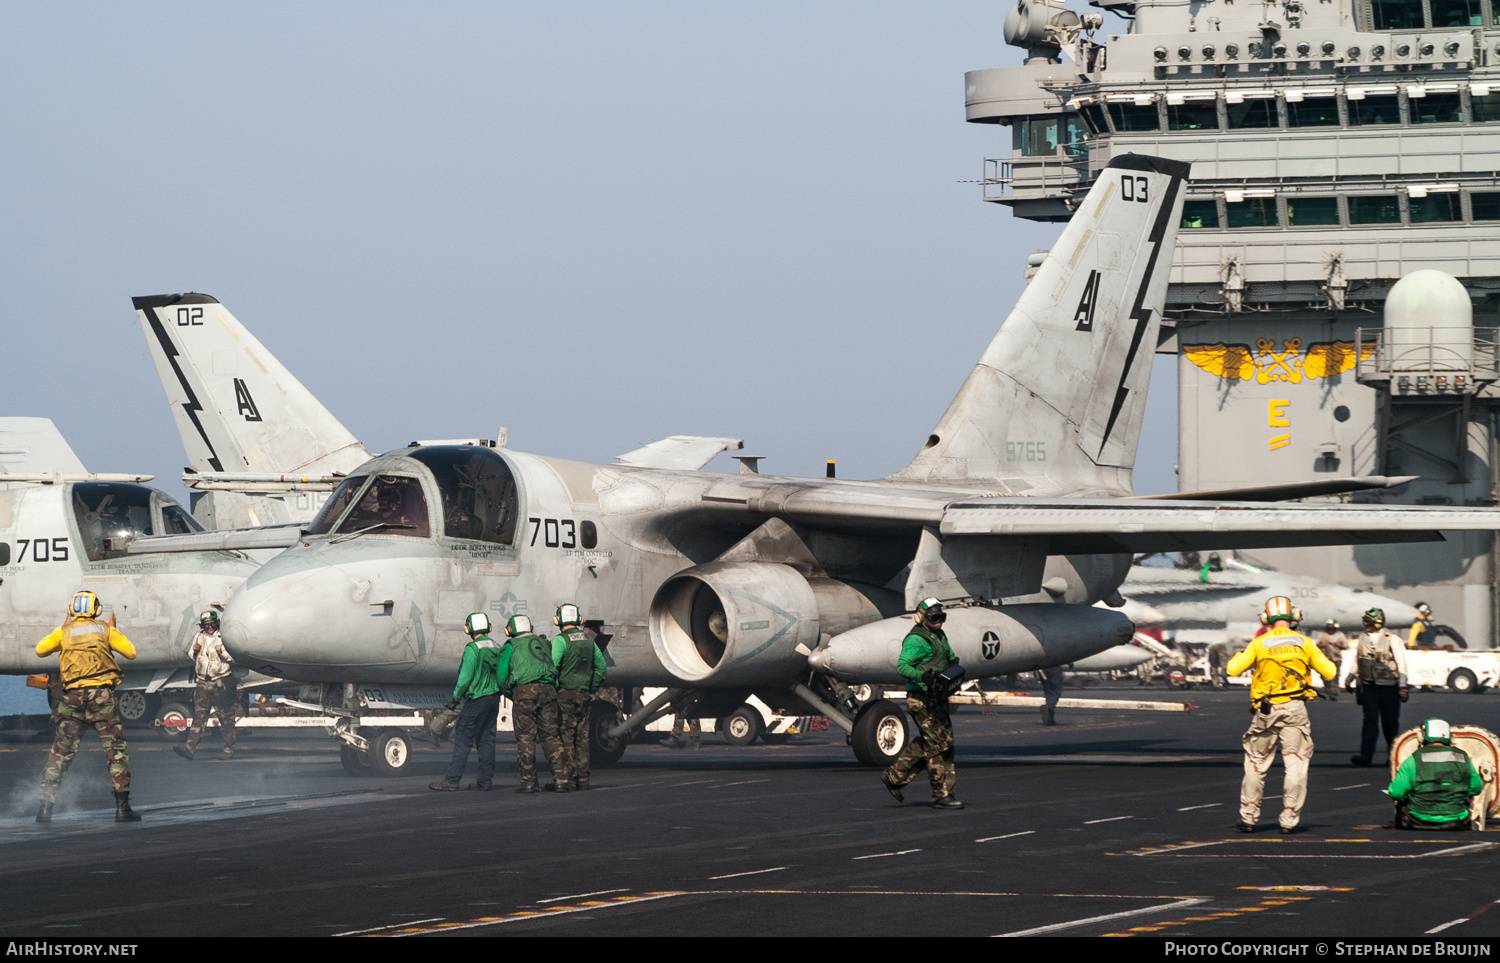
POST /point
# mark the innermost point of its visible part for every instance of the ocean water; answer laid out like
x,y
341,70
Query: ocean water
x,y
17,699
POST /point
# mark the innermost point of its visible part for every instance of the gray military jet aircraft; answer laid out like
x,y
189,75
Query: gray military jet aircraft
x,y
1017,510
56,523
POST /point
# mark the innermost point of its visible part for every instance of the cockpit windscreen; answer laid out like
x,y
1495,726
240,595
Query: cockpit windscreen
x,y
479,492
389,505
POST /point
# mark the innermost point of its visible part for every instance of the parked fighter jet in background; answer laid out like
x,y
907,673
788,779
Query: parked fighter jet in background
x,y
1016,510
1204,604
56,523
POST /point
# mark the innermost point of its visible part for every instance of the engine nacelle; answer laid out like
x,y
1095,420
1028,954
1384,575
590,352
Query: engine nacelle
x,y
989,642
740,623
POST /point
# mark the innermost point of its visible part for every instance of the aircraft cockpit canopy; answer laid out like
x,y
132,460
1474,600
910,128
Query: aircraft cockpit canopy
x,y
120,510
476,487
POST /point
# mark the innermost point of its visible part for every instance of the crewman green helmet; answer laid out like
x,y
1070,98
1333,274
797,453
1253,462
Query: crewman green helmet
x,y
477,624
1437,730
1374,616
208,618
567,614
85,605
518,625
931,609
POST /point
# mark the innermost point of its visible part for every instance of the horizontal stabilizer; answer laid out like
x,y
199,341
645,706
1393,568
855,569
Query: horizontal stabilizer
x,y
679,452
35,445
231,539
1283,491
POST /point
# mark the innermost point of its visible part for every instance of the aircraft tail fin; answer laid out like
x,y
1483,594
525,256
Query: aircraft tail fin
x,y
31,445
1054,405
237,408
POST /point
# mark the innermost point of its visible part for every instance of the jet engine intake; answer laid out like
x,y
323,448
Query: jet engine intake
x,y
740,623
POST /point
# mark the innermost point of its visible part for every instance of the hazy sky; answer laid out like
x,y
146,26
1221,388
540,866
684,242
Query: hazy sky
x,y
597,224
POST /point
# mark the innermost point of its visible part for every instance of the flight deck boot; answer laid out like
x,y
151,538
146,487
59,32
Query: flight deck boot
x,y
44,812
123,812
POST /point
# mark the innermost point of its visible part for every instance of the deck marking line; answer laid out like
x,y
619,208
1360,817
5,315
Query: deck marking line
x,y
753,872
991,839
600,892
1112,819
529,914
747,782
1204,806
381,929
1038,930
901,852
1358,785
1461,919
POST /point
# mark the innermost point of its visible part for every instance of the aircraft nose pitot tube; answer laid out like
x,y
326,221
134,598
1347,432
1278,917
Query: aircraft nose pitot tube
x,y
989,642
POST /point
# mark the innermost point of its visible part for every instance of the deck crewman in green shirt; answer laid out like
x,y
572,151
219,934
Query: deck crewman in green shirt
x,y
925,653
580,673
532,682
1433,785
478,689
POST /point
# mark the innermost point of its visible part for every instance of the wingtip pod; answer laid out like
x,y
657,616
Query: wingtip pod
x,y
1054,405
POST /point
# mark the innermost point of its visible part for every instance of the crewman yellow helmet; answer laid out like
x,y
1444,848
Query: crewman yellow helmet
x,y
85,605
1279,608
1437,730
518,625
477,624
567,614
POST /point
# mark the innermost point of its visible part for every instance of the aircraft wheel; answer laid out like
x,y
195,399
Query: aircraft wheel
x,y
741,726
355,762
1463,681
390,752
864,693
1176,677
879,733
172,721
604,751
134,705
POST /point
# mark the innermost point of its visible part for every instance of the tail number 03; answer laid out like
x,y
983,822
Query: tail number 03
x,y
1133,188
555,532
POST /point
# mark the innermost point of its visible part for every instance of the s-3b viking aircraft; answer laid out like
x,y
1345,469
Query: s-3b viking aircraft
x,y
1017,511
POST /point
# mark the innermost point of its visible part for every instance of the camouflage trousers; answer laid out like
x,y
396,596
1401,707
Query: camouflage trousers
x,y
222,696
932,749
573,731
77,710
535,717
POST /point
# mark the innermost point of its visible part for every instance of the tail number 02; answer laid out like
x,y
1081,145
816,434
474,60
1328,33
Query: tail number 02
x,y
1133,188
555,532
189,317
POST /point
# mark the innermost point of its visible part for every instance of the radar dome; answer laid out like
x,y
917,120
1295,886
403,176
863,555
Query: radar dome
x,y
1429,322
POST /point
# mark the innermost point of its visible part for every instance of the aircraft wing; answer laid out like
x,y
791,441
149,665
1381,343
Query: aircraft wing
x,y
1069,526
1281,491
680,452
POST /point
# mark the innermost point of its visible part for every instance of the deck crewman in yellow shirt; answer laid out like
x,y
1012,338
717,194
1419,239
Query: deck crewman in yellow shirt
x,y
1284,662
86,648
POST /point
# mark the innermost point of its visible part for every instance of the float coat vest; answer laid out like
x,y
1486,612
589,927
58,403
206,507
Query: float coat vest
x,y
531,661
576,669
923,650
86,659
1441,786
1376,660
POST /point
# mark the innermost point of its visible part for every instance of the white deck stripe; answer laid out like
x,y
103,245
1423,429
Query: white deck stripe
x,y
1038,930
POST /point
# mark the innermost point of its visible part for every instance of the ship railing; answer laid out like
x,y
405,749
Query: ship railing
x,y
1453,359
1037,175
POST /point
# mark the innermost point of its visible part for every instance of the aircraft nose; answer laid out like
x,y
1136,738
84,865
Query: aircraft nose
x,y
297,624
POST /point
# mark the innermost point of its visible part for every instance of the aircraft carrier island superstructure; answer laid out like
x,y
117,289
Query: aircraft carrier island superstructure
x,y
1338,146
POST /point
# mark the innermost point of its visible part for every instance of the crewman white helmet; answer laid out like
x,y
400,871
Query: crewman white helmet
x,y
1424,610
85,605
567,614
477,624
1279,608
931,610
1437,730
518,625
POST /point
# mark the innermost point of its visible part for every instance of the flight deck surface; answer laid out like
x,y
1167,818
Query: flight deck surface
x,y
1110,823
